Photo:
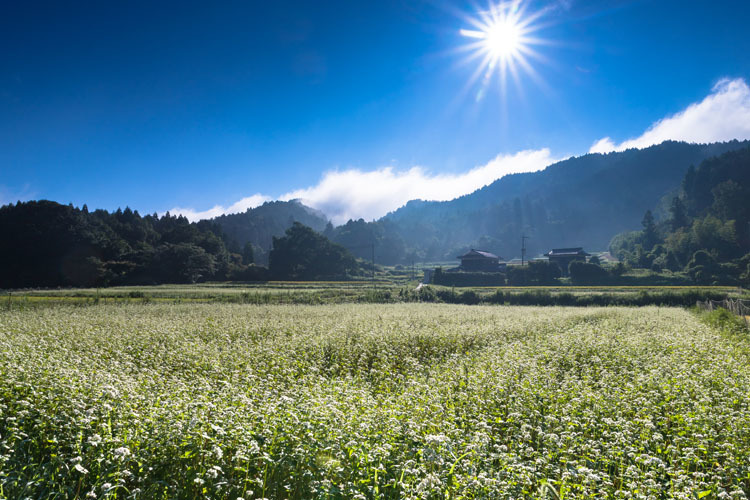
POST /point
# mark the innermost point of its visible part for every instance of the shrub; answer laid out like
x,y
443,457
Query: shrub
x,y
461,278
724,320
587,274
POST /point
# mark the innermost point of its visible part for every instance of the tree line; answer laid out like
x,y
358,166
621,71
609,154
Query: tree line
x,y
581,201
706,231
47,244
702,232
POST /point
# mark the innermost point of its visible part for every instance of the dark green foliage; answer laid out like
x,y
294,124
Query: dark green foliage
x,y
730,201
248,254
618,269
467,279
584,273
468,297
261,224
303,254
359,236
708,229
181,263
542,297
743,266
705,233
624,245
251,273
726,321
702,267
671,262
427,294
537,272
518,276
543,272
577,202
649,236
46,244
678,215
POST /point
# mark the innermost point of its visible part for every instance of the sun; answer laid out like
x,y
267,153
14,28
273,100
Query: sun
x,y
502,38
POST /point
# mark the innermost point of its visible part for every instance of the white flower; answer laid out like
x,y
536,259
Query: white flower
x,y
95,440
214,472
430,483
253,448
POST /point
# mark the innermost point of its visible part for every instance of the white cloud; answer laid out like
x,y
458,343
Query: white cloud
x,y
240,206
370,194
722,116
351,194
603,145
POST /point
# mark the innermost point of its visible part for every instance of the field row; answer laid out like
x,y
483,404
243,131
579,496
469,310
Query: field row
x,y
370,401
362,292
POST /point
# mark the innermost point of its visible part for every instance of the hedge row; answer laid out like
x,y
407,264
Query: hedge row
x,y
686,298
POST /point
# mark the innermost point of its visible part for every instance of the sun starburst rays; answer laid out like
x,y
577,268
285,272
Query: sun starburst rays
x,y
501,39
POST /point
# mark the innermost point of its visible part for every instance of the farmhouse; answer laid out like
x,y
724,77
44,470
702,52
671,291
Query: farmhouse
x,y
480,261
564,256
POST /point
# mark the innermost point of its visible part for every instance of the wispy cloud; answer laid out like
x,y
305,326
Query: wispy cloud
x,y
240,206
351,194
370,194
722,116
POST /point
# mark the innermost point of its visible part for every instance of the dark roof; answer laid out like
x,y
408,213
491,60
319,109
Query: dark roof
x,y
567,252
478,253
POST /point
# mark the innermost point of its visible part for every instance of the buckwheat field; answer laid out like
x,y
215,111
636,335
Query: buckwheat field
x,y
229,401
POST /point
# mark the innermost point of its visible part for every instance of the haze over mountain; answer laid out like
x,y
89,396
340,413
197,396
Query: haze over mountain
x,y
582,201
259,225
353,193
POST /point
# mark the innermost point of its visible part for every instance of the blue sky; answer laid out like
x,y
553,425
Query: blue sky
x,y
198,106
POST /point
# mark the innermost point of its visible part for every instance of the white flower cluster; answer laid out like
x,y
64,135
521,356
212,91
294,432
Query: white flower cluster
x,y
415,401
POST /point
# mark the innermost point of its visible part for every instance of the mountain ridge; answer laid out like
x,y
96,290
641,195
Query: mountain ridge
x,y
580,201
616,187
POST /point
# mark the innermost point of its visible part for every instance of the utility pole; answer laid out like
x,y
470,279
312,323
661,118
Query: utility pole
x,y
373,264
523,247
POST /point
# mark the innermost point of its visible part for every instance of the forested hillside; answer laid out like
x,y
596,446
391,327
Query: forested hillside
x,y
707,230
46,244
260,225
581,201
577,202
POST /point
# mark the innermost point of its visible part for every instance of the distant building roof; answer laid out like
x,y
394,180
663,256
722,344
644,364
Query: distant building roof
x,y
607,257
566,252
478,254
